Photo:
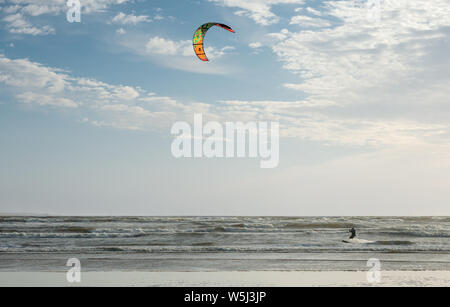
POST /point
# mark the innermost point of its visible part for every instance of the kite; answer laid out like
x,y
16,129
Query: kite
x,y
200,35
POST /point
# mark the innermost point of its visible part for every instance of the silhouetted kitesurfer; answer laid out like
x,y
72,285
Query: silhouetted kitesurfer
x,y
353,233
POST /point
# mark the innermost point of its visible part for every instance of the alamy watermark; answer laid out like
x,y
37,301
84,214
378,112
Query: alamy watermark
x,y
374,274
74,273
74,11
230,140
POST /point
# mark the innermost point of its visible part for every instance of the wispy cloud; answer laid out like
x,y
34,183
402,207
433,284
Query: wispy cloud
x,y
19,14
258,10
382,82
120,106
17,24
306,21
128,107
124,19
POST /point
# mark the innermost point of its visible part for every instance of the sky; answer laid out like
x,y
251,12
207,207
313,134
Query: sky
x,y
360,88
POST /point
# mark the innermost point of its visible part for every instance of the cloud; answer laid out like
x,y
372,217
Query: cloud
x,y
92,6
131,19
97,102
255,45
46,100
306,21
24,74
377,83
128,107
360,53
17,24
121,31
279,36
40,9
258,10
307,119
163,46
313,11
20,12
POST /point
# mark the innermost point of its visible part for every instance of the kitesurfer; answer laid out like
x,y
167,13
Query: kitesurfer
x,y
353,233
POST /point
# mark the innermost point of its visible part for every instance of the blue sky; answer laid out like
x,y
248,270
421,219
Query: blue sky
x,y
360,89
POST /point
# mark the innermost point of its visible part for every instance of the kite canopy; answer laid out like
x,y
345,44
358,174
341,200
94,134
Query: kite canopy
x,y
200,35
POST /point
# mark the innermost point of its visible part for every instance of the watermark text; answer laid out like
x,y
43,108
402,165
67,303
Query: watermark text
x,y
231,140
74,273
374,274
74,11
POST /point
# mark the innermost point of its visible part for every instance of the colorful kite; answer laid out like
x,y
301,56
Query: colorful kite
x,y
200,35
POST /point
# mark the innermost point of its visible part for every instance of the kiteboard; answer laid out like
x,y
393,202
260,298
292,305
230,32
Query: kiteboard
x,y
357,241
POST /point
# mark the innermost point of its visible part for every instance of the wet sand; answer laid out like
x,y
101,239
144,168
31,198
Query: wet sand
x,y
228,279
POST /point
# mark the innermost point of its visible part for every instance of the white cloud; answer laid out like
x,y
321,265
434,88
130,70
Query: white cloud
x,y
306,21
92,6
121,31
125,92
255,45
22,73
46,100
307,119
19,25
384,82
279,36
160,45
166,100
130,19
128,107
40,9
119,106
258,10
35,8
21,12
361,53
313,11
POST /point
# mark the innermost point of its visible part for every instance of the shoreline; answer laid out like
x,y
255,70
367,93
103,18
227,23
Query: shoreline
x,y
228,279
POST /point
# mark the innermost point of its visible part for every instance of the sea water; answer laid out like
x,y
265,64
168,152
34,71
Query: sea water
x,y
186,244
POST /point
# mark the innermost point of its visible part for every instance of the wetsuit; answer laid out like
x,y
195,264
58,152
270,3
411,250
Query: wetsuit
x,y
353,232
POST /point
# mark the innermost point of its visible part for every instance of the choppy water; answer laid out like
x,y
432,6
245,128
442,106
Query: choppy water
x,y
222,243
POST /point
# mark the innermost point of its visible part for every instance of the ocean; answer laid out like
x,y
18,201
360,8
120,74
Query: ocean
x,y
194,244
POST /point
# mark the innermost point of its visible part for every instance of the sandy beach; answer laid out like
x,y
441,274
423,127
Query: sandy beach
x,y
228,279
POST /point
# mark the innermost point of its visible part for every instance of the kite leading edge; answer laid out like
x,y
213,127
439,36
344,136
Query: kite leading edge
x,y
199,35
